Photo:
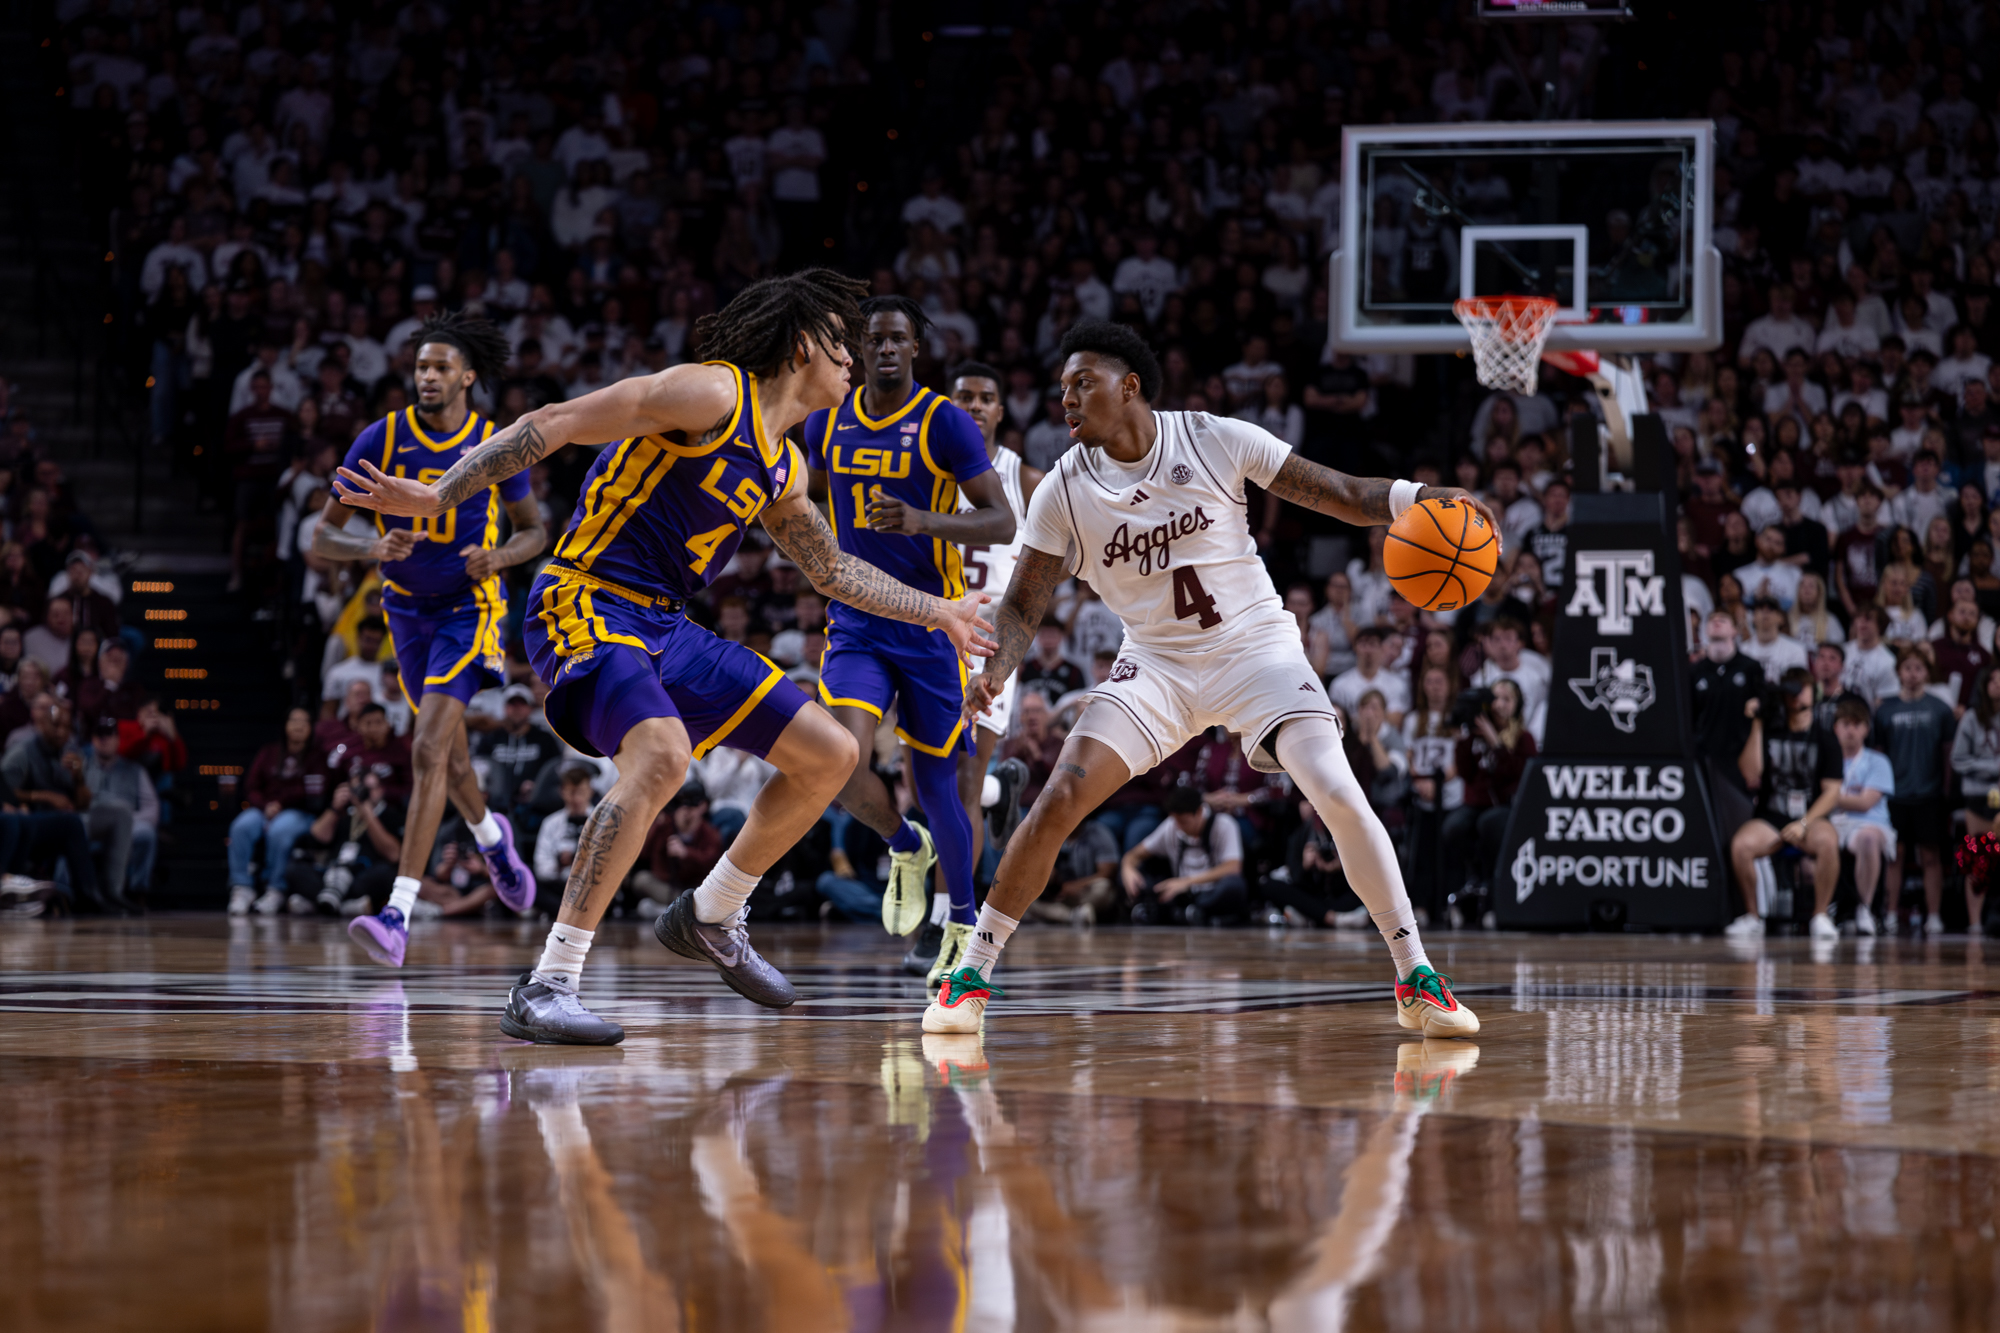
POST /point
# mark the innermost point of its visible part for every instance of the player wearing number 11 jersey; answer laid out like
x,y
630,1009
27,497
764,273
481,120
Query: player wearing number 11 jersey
x,y
1149,509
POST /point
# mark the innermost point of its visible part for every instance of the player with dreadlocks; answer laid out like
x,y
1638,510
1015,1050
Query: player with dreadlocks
x,y
701,454
442,597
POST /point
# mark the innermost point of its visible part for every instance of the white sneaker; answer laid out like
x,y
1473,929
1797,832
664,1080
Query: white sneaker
x,y
1822,928
240,899
960,1005
300,905
423,909
1864,921
1934,925
359,905
1749,926
23,886
1357,919
906,898
271,902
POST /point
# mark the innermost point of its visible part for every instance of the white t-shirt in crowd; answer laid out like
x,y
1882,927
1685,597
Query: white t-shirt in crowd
x,y
1191,856
1776,657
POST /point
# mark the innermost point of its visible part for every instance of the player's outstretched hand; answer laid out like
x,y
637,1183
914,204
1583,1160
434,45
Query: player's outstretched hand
x,y
980,692
372,488
1467,498
967,632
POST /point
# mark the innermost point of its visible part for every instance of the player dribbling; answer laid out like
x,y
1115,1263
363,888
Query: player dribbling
x,y
1150,511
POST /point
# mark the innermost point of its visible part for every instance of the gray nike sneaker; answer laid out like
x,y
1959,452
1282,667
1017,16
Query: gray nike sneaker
x,y
553,1015
725,946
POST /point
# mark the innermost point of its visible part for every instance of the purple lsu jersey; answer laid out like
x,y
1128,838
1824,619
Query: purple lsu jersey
x,y
663,515
920,454
400,446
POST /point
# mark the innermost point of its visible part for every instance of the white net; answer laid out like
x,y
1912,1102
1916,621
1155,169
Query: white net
x,y
1508,334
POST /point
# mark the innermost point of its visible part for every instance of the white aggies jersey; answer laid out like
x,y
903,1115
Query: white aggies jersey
x,y
1167,544
989,569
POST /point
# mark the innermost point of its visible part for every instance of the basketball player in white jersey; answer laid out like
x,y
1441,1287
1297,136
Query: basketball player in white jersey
x,y
1149,509
976,387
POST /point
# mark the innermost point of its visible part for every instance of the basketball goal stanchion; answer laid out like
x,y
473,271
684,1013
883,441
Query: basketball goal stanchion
x,y
1508,334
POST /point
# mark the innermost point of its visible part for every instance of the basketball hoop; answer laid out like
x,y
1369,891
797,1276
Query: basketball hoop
x,y
1508,334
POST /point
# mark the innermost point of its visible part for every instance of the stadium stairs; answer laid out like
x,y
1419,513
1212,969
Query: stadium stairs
x,y
60,351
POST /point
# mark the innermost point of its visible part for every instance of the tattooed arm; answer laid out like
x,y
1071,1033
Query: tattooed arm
x,y
689,398
1362,501
332,541
1036,575
801,533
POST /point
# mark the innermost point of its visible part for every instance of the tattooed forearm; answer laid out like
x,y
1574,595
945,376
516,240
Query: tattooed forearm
x,y
1362,501
1036,575
593,853
520,445
803,536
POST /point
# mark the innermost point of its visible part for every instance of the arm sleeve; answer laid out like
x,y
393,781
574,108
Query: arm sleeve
x,y
956,444
1249,452
1047,527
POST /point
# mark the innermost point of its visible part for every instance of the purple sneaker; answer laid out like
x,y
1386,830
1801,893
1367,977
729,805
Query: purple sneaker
x,y
512,880
382,937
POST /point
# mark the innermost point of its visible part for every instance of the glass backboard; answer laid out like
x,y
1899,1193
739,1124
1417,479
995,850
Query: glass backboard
x,y
1611,219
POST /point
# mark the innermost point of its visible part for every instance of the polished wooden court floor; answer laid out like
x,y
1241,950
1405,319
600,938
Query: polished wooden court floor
x,y
219,1125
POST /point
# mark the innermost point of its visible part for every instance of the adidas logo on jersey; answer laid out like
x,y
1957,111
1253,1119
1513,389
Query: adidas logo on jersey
x,y
1140,497
1307,687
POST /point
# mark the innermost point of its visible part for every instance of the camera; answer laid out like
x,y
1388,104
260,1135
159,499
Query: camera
x,y
1469,705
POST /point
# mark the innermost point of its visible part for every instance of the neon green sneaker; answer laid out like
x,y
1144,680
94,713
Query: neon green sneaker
x,y
906,899
1424,1003
960,1005
950,952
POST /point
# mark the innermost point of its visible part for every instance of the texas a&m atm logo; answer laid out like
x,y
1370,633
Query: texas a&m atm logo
x,y
1628,588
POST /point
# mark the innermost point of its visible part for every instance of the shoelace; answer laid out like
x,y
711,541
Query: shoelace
x,y
1434,984
967,979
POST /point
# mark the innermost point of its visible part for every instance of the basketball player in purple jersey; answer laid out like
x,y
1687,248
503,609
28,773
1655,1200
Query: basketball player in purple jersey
x,y
701,454
442,597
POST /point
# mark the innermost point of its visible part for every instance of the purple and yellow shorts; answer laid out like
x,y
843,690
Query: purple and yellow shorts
x,y
613,657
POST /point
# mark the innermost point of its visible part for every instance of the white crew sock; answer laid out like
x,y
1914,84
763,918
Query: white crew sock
x,y
1310,751
723,893
1399,931
563,955
487,831
403,895
989,937
940,908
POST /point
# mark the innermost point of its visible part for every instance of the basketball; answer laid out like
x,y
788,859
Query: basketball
x,y
1441,554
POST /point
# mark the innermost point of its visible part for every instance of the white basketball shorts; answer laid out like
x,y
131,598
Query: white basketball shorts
x,y
1156,701
999,716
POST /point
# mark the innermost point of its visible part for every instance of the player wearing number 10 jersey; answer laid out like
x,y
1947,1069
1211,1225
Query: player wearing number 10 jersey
x,y
1149,508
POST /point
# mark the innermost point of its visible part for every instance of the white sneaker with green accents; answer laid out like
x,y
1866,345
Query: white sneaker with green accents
x,y
1424,1003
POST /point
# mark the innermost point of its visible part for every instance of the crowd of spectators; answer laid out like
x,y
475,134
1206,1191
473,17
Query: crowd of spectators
x,y
293,185
86,755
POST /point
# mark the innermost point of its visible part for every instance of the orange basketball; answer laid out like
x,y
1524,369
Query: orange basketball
x,y
1441,554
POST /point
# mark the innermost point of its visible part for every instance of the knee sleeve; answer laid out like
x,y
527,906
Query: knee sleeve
x,y
1309,749
936,781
